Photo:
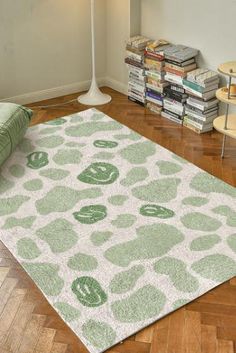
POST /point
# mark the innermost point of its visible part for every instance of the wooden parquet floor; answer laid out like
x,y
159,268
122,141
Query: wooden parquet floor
x,y
28,324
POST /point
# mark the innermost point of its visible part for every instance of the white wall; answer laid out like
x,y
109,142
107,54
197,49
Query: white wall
x,y
123,21
46,44
117,34
208,25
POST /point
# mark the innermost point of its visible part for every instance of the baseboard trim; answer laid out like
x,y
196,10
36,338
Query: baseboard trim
x,y
52,92
116,85
64,90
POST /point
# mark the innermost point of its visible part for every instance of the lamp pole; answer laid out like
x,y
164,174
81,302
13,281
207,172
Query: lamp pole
x,y
94,96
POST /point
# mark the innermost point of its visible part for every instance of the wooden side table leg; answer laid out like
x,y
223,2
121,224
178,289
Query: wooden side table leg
x,y
223,147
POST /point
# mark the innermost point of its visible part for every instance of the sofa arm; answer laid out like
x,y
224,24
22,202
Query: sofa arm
x,y
14,121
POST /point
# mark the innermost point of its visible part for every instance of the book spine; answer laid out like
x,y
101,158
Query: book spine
x,y
135,100
158,64
193,123
155,88
133,63
172,108
141,89
177,88
177,116
154,95
136,70
155,101
193,128
133,56
175,72
174,79
154,55
193,86
168,116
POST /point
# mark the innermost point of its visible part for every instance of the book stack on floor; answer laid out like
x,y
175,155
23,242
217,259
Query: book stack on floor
x,y
202,105
154,62
135,61
179,60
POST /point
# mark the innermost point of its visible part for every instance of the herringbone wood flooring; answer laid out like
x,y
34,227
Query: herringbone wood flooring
x,y
28,324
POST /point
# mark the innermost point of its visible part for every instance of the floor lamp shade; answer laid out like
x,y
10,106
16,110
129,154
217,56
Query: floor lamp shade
x,y
94,96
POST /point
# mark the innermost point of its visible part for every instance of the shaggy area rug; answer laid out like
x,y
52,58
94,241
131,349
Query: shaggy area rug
x,y
115,230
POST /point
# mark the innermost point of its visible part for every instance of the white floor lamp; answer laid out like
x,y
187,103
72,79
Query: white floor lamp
x,y
94,96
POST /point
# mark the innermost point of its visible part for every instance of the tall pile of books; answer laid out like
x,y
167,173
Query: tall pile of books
x,y
179,60
154,62
202,105
135,61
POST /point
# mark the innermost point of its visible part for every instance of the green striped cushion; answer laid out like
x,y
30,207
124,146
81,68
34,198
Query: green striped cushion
x,y
14,121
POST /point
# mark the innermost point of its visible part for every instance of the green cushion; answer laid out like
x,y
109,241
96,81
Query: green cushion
x,y
14,121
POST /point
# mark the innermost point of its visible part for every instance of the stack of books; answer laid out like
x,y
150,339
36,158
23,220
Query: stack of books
x,y
154,62
179,61
202,105
135,61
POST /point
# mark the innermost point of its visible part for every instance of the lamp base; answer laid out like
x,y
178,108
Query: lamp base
x,y
94,97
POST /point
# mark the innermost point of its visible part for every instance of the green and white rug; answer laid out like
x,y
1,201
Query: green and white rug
x,y
115,230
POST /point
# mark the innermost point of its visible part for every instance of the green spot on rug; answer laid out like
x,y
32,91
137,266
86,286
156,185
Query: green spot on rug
x,y
104,156
124,221
56,122
178,274
138,153
161,190
117,200
89,292
68,312
143,304
196,201
99,334
232,242
153,241
199,221
37,160
11,205
76,119
5,184
206,183
63,157
59,235
49,130
91,214
82,262
205,242
216,267
134,176
124,281
105,144
100,238
88,129
46,276
133,136
228,212
99,174
17,170
156,211
28,249
52,201
25,222
33,185
179,303
54,174
168,168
